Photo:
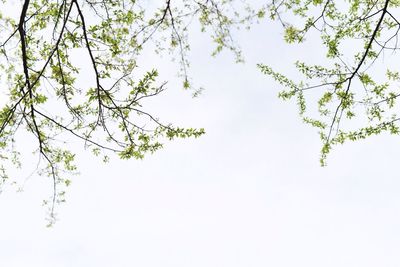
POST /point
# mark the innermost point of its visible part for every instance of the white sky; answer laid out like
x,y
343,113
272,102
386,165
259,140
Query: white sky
x,y
249,193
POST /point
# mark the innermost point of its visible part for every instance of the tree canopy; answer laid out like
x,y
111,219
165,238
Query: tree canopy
x,y
50,98
357,86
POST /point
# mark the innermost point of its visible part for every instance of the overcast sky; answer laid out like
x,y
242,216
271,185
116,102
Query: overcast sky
x,y
248,193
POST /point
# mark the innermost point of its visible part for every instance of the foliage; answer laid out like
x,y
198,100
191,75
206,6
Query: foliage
x,y
54,100
70,72
356,98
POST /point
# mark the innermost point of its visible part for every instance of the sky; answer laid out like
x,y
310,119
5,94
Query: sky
x,y
250,192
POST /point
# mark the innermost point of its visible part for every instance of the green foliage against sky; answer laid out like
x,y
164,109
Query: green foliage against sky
x,y
53,99
357,93
70,72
